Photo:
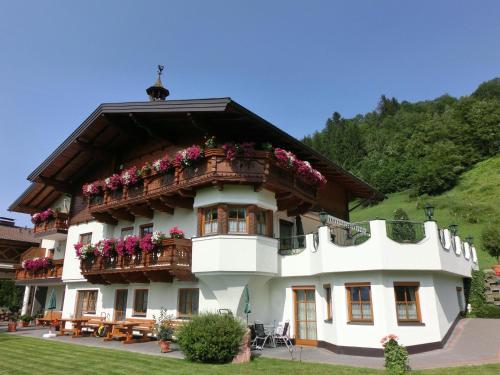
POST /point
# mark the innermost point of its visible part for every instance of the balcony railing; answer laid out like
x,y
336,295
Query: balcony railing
x,y
349,234
404,231
172,260
216,170
291,245
54,226
53,272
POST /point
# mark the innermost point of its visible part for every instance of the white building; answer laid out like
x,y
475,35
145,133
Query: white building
x,y
250,221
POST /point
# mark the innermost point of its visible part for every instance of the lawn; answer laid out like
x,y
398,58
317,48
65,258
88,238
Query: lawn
x,y
25,355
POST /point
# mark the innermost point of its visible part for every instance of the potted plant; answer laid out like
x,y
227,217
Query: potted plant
x,y
26,320
13,318
164,329
490,237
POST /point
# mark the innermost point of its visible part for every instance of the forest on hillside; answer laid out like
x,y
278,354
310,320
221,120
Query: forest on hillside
x,y
422,146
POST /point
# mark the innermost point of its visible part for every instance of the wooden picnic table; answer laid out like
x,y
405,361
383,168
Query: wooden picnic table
x,y
77,326
121,330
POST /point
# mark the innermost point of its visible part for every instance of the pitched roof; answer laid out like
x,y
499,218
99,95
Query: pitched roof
x,y
178,118
19,234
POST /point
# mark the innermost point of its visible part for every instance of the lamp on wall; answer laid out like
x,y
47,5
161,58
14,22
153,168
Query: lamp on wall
x,y
469,239
323,217
453,229
429,211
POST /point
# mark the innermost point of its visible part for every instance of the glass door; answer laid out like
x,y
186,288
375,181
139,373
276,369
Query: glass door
x,y
305,315
120,304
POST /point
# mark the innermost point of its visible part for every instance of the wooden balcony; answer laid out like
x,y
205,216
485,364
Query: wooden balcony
x,y
54,229
52,274
177,188
172,261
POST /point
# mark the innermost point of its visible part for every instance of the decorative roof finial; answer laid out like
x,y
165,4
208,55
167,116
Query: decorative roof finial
x,y
157,91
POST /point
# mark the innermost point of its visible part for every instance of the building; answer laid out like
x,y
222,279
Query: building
x,y
250,216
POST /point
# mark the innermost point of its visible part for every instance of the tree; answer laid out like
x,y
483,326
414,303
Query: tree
x,y
10,295
402,230
490,238
488,90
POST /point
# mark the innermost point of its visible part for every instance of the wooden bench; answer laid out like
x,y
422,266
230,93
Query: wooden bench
x,y
48,318
93,324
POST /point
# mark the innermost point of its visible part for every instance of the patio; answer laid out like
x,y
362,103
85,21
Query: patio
x,y
474,341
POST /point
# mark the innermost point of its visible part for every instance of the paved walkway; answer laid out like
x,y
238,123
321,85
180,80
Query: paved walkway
x,y
474,341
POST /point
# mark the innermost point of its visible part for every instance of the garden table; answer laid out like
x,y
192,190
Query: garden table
x,y
77,326
121,330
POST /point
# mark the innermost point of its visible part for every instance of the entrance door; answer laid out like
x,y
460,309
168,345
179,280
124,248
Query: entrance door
x,y
305,315
120,304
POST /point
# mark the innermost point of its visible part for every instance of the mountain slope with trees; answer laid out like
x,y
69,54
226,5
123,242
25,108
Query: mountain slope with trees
x,y
423,146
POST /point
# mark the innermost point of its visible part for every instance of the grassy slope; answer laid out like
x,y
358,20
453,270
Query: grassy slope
x,y
25,355
472,204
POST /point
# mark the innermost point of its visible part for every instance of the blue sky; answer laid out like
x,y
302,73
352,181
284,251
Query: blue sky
x,y
292,62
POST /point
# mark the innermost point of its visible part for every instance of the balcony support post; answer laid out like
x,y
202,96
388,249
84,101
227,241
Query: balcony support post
x,y
26,298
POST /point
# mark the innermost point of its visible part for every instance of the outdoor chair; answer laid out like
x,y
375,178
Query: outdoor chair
x,y
281,336
261,336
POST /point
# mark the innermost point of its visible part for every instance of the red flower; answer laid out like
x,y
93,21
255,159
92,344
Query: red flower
x,y
146,244
113,182
175,232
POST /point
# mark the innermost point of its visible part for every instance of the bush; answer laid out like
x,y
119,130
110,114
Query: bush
x,y
396,356
490,238
487,311
211,338
477,288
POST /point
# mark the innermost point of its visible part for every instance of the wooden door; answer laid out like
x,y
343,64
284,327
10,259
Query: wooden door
x,y
305,315
120,304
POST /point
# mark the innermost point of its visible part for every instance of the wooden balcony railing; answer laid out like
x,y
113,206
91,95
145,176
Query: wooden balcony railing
x,y
58,224
173,260
54,272
215,170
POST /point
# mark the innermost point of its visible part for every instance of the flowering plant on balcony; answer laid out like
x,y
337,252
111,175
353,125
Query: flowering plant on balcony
x,y
145,169
91,188
162,165
131,245
308,173
87,251
113,182
175,232
43,216
130,176
285,158
106,248
37,264
210,142
245,149
189,156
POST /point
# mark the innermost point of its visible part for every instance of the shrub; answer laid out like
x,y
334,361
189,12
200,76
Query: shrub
x,y
396,355
487,311
211,338
26,318
490,237
477,289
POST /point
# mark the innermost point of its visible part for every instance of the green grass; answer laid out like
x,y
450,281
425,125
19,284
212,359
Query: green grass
x,y
472,204
26,355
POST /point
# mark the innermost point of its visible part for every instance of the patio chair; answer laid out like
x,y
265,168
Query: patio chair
x,y
261,336
281,336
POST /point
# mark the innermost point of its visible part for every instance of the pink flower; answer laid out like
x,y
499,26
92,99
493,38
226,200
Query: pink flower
x,y
189,156
78,249
162,165
131,245
146,243
175,232
120,247
41,217
229,150
113,182
36,264
91,188
129,176
388,338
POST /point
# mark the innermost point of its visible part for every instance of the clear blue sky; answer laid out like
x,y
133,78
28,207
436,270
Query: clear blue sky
x,y
292,62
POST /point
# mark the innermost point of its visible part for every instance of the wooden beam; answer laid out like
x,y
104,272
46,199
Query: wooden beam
x,y
158,205
284,195
143,211
186,193
300,209
104,217
122,214
58,185
97,152
177,201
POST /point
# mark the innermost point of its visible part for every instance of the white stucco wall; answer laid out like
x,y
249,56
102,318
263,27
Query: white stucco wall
x,y
235,194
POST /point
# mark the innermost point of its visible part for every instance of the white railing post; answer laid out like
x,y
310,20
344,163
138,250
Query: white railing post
x,y
458,247
26,298
431,230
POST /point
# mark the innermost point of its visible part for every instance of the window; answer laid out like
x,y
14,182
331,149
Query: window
x,y
328,300
237,220
85,238
86,302
210,223
359,302
407,303
146,229
260,221
140,302
188,302
128,231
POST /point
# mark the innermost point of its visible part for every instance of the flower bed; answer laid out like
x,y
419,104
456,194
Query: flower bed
x,y
37,264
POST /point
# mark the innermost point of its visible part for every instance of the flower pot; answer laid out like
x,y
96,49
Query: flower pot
x,y
25,324
11,327
496,268
164,346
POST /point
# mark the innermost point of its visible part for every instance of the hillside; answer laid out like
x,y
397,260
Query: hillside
x,y
472,204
